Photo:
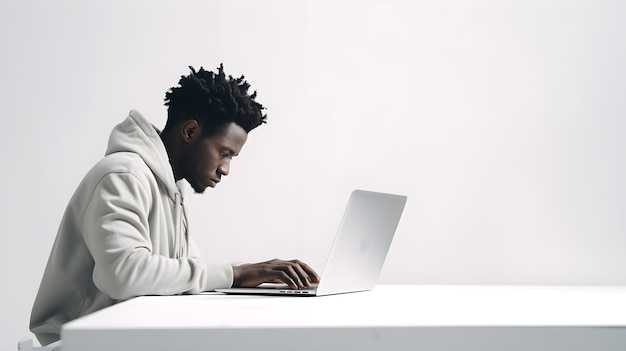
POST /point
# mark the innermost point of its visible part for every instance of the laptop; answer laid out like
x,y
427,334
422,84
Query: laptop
x,y
358,252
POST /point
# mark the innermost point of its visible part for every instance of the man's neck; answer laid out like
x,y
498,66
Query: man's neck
x,y
172,153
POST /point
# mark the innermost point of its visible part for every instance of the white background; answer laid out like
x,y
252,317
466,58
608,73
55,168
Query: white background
x,y
503,122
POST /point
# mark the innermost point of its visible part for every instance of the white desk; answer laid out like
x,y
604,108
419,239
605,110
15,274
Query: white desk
x,y
404,317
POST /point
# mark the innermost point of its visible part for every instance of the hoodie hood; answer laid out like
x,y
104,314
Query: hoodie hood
x,y
135,134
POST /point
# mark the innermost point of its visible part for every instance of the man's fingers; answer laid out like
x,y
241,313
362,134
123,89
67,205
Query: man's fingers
x,y
285,278
307,272
311,272
304,276
294,273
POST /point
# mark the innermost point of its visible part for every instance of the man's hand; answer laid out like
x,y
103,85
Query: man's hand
x,y
294,273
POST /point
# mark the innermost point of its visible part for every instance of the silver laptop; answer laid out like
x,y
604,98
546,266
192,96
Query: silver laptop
x,y
358,252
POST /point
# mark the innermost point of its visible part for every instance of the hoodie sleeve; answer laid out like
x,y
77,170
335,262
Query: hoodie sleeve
x,y
116,231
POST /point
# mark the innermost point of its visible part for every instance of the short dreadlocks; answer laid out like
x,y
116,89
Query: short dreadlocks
x,y
214,101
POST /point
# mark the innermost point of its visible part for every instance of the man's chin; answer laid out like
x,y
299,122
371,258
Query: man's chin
x,y
199,189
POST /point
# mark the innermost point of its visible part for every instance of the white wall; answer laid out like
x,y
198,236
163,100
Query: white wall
x,y
503,122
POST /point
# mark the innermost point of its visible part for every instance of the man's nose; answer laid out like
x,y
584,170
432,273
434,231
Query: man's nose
x,y
224,167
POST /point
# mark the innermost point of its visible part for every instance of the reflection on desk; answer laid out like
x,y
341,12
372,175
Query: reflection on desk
x,y
400,317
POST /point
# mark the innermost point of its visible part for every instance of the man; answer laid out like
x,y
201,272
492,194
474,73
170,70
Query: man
x,y
124,232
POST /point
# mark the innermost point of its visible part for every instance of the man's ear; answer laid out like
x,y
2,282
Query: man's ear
x,y
191,130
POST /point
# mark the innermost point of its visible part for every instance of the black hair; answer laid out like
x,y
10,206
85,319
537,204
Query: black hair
x,y
214,101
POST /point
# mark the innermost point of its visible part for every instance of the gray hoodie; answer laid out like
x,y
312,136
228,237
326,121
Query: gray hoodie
x,y
124,234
